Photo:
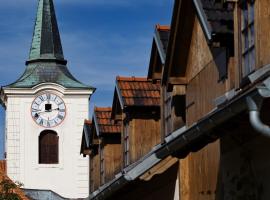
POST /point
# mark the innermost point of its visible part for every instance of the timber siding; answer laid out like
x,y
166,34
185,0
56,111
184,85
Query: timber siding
x,y
110,144
204,131
140,114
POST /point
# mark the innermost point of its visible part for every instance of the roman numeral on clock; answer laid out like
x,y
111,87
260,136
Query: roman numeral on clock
x,y
48,110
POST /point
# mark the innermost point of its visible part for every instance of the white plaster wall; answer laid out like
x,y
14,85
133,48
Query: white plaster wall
x,y
70,177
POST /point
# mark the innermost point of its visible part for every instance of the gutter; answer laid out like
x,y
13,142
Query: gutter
x,y
185,140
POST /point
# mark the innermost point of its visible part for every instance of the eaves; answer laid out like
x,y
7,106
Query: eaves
x,y
181,142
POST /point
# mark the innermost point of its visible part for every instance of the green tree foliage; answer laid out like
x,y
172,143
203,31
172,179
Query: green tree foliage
x,y
8,190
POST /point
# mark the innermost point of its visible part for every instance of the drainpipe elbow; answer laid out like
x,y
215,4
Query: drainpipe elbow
x,y
254,117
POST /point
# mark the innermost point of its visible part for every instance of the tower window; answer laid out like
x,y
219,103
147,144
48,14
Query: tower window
x,y
48,147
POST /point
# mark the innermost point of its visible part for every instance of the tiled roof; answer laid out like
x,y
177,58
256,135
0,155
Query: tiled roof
x,y
219,15
104,121
88,122
216,18
136,91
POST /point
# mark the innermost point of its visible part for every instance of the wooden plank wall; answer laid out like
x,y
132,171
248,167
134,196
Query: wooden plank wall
x,y
159,187
144,135
95,172
199,171
262,29
113,156
262,34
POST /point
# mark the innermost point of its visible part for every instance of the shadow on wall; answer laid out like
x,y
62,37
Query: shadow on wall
x,y
43,194
159,187
244,167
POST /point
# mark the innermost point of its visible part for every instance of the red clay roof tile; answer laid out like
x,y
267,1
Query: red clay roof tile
x,y
162,27
137,91
88,122
104,121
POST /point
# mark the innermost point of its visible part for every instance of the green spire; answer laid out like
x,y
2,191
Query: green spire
x,y
46,43
46,62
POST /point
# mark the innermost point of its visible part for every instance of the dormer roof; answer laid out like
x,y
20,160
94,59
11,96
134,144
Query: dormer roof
x,y
103,122
137,92
158,52
216,18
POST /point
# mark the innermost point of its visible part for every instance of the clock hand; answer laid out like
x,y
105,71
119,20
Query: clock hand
x,y
40,112
53,109
44,111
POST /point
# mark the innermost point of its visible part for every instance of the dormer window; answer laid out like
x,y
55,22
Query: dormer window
x,y
247,37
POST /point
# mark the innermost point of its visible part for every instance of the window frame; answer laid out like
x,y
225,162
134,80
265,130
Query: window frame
x,y
247,37
41,160
126,146
102,165
168,112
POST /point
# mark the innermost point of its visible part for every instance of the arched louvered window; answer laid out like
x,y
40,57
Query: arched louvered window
x,y
48,147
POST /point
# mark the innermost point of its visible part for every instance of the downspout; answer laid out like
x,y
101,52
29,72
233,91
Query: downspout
x,y
254,107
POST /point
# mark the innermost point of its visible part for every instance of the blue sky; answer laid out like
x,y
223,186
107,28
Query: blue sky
x,y
101,39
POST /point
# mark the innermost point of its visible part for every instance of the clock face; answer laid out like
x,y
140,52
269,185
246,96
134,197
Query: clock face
x,y
48,110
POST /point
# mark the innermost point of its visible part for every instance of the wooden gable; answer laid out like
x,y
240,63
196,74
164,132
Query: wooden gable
x,y
110,149
86,136
179,43
158,52
117,107
216,21
139,101
94,158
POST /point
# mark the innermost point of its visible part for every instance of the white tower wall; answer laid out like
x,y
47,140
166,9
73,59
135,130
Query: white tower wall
x,y
70,177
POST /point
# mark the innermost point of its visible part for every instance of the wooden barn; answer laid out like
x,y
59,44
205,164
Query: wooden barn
x,y
101,140
90,146
210,132
137,103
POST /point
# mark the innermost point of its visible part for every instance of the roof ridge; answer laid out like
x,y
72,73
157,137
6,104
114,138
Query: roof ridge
x,y
163,27
89,122
104,109
132,78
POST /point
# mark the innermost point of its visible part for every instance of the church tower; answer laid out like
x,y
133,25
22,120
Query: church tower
x,y
45,111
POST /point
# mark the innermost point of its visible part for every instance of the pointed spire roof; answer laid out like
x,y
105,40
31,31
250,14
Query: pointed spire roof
x,y
46,63
46,43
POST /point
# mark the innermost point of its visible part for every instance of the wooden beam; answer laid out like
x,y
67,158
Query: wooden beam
x,y
96,141
156,75
159,168
177,81
87,152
